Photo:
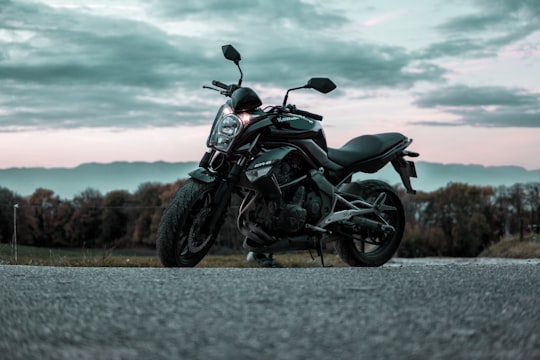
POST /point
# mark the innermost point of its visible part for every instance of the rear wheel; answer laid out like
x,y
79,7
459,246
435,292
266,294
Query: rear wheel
x,y
372,247
182,239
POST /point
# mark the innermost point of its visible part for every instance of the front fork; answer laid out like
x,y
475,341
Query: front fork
x,y
223,195
225,186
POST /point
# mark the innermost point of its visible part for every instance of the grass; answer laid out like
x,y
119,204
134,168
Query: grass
x,y
28,255
513,248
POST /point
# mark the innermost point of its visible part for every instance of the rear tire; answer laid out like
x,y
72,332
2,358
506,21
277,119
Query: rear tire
x,y
181,240
357,249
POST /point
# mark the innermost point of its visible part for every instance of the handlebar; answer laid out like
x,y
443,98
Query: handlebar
x,y
229,89
219,84
308,114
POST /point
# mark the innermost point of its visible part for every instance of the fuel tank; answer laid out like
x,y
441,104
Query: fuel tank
x,y
297,127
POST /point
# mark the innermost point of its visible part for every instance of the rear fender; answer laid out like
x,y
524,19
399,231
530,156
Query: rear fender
x,y
406,170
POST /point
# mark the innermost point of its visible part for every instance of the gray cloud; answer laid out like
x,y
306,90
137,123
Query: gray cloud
x,y
70,47
500,14
63,67
503,117
356,65
483,34
71,68
464,96
497,24
247,13
80,105
78,70
484,106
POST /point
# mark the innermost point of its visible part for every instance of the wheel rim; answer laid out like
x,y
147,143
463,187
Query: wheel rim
x,y
373,242
198,238
188,244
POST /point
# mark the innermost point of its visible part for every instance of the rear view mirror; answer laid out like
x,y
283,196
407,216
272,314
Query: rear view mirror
x,y
231,53
323,85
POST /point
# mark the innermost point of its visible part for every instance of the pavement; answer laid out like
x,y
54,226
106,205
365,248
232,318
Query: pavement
x,y
408,309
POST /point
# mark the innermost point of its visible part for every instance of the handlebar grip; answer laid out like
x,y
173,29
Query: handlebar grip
x,y
220,84
308,114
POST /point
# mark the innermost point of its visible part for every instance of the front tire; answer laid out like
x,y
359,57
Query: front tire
x,y
371,247
182,240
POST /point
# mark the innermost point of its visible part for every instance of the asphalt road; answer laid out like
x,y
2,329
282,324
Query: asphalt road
x,y
408,309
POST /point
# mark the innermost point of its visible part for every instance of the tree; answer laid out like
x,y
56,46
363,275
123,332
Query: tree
x,y
516,197
7,200
148,210
60,225
84,228
532,203
457,220
43,206
115,217
518,206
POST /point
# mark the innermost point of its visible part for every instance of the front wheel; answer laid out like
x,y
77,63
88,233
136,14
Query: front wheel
x,y
182,239
372,247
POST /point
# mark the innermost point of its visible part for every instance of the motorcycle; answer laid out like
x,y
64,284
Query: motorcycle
x,y
296,193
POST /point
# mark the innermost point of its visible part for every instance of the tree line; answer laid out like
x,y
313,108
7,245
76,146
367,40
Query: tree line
x,y
457,220
90,219
463,220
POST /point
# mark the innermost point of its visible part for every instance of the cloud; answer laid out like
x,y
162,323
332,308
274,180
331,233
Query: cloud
x,y
73,66
247,13
503,117
495,25
501,14
64,46
465,96
63,68
355,65
482,34
289,44
94,66
487,106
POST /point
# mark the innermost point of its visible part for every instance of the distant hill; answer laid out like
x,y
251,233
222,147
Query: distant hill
x,y
432,176
67,182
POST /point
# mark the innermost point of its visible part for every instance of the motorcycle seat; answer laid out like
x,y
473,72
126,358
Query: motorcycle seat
x,y
364,148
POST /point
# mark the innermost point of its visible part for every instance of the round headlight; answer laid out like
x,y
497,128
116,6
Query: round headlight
x,y
230,125
225,131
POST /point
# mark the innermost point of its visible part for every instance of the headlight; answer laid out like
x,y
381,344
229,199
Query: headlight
x,y
230,125
226,128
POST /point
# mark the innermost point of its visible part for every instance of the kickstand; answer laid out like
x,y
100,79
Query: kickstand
x,y
320,252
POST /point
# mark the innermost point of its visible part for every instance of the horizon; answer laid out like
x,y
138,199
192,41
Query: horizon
x,y
70,182
417,160
83,83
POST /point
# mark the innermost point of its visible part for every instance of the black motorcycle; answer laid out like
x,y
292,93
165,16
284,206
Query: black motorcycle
x,y
296,193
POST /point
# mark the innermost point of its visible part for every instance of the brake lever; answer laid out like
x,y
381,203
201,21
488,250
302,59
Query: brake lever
x,y
211,88
222,92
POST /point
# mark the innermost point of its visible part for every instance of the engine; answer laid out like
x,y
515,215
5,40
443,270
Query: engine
x,y
298,204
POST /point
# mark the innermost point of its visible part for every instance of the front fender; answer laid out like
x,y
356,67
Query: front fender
x,y
203,175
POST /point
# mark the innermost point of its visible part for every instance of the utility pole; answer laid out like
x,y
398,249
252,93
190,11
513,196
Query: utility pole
x,y
14,241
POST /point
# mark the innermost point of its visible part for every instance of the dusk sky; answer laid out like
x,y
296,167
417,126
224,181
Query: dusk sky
x,y
102,81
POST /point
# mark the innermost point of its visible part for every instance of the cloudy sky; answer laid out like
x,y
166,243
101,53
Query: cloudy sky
x,y
101,81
